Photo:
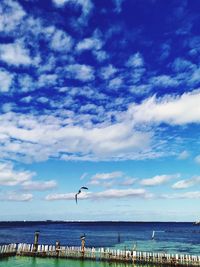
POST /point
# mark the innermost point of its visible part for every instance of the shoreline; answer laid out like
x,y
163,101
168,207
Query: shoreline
x,y
82,221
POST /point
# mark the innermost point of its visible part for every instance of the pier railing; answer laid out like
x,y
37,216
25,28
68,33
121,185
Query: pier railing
x,y
100,254
8,250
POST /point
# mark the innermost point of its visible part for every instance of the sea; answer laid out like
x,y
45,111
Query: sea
x,y
168,237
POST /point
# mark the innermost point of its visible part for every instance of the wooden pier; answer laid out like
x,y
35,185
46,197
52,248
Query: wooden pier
x,y
99,254
8,250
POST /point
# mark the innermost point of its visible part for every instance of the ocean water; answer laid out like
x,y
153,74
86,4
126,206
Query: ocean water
x,y
169,237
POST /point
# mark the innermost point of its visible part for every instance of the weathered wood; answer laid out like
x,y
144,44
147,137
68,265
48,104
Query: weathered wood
x,y
99,254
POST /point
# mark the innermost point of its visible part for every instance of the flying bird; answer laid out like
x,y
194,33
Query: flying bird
x,y
79,191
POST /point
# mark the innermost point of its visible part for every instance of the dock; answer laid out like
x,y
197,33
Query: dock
x,y
99,254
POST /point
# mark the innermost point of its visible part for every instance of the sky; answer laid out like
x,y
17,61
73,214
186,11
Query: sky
x,y
103,94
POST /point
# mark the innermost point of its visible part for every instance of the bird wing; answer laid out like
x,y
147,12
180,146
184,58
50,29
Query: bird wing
x,y
84,187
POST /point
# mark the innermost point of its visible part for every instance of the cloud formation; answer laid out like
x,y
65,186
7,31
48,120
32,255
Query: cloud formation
x,y
25,137
183,155
102,178
103,88
107,194
182,184
197,159
80,72
15,196
11,177
179,110
5,80
15,54
185,195
158,180
13,16
39,185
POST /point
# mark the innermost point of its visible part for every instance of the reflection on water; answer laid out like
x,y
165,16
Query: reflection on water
x,y
39,262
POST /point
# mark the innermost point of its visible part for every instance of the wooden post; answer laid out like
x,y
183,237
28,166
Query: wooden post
x,y
83,244
36,238
57,248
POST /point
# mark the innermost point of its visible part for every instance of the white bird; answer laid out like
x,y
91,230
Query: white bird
x,y
153,234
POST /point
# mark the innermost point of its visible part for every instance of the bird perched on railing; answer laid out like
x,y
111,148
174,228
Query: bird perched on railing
x,y
79,191
83,236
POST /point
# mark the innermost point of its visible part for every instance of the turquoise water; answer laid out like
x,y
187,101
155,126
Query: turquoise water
x,y
41,262
161,246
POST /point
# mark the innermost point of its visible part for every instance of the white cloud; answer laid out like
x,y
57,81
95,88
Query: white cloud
x,y
14,196
25,138
108,71
11,177
186,195
141,89
88,108
194,79
107,194
123,193
7,107
80,72
26,99
46,80
158,180
107,176
89,44
39,185
172,110
197,159
164,81
182,184
11,15
42,99
182,65
100,55
60,41
183,155
15,54
76,137
115,83
94,43
128,181
5,80
83,175
102,177
111,179
135,61
68,196
136,75
26,83
60,2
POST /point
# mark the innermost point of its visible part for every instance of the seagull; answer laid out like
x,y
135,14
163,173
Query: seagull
x,y
83,236
79,191
153,234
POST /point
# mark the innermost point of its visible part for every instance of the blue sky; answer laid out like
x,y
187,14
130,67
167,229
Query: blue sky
x,y
103,94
